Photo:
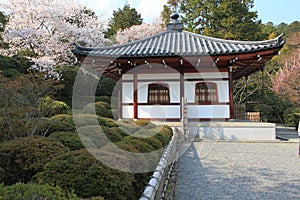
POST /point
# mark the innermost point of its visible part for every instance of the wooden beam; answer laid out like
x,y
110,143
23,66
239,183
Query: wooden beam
x,y
231,100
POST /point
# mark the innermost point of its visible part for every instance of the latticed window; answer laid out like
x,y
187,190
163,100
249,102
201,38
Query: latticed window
x,y
158,93
206,93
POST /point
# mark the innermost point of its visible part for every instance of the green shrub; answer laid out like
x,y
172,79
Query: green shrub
x,y
106,99
69,139
46,126
93,120
128,126
22,158
145,124
163,134
50,107
22,191
81,172
11,73
148,136
111,134
121,132
291,116
101,108
66,118
136,145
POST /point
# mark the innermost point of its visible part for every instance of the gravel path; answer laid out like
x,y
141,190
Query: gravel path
x,y
237,170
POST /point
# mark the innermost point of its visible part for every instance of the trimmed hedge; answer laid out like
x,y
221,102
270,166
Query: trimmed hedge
x,y
81,172
22,191
93,120
69,139
22,158
145,124
111,134
47,126
101,108
292,116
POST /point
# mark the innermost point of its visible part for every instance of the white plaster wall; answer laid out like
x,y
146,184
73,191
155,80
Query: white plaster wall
x,y
208,111
127,77
158,76
127,112
173,86
127,91
223,90
158,111
206,75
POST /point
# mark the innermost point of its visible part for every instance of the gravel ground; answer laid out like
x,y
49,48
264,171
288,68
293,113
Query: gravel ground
x,y
237,170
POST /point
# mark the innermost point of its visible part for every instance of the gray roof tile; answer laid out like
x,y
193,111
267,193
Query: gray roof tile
x,y
179,43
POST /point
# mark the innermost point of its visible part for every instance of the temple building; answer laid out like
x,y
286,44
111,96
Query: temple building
x,y
160,75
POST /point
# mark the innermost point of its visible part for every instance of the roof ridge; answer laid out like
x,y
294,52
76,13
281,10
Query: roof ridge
x,y
278,38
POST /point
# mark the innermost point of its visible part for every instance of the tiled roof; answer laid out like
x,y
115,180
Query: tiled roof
x,y
179,43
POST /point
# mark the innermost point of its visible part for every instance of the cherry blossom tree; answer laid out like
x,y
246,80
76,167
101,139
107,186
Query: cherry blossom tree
x,y
47,29
138,32
287,82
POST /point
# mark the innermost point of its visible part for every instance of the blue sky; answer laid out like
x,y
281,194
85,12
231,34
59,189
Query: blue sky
x,y
276,11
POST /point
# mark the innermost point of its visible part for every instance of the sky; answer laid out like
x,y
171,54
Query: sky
x,y
276,11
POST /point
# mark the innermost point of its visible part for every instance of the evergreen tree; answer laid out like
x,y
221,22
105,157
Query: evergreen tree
x,y
228,19
122,19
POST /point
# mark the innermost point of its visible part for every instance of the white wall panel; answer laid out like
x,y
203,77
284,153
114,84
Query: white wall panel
x,y
158,111
127,77
208,111
127,93
127,112
157,76
208,75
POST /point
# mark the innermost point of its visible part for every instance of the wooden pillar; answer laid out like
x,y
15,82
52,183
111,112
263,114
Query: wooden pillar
x,y
262,82
135,96
120,98
230,72
181,88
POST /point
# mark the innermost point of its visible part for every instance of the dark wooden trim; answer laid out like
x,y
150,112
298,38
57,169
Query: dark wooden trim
x,y
230,71
153,80
181,88
208,119
120,99
135,97
149,104
162,119
209,104
207,79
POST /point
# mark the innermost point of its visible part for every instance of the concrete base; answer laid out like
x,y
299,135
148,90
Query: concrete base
x,y
231,130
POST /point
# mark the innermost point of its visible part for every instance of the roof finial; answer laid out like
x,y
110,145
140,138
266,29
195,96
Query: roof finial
x,y
175,23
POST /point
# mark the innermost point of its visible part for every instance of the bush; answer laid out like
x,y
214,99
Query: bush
x,y
93,120
101,108
81,172
47,126
292,116
50,107
69,139
145,124
134,144
111,134
128,126
22,158
22,191
63,118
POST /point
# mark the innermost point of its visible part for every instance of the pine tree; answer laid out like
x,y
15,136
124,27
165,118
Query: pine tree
x,y
122,19
228,19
